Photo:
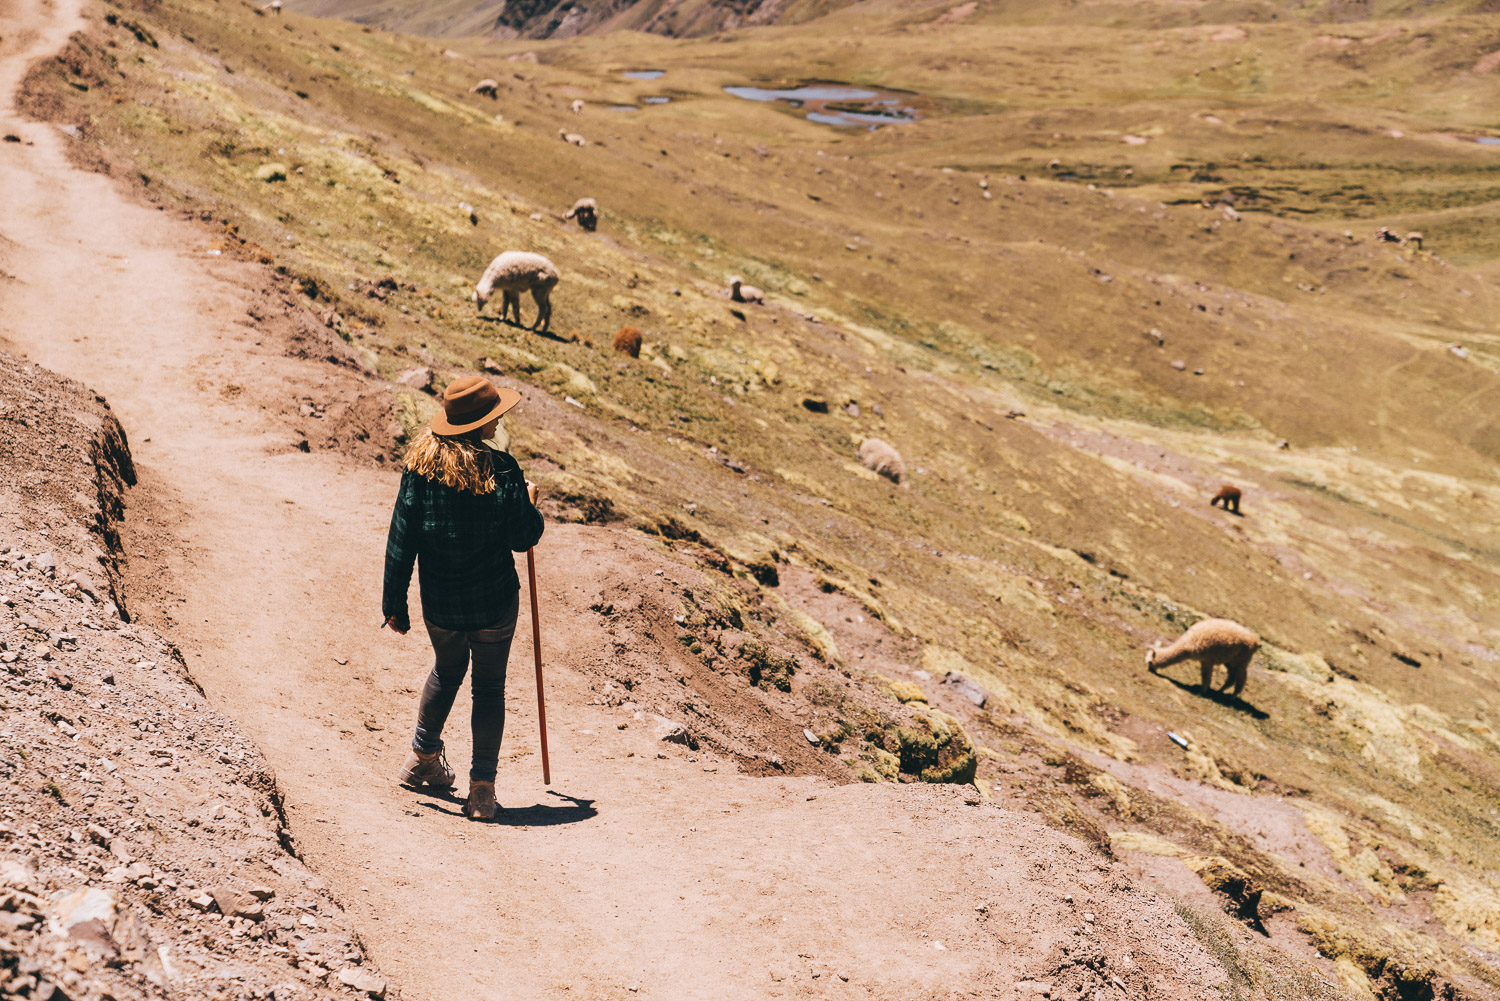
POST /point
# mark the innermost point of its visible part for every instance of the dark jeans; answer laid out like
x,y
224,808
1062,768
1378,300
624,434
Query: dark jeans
x,y
490,649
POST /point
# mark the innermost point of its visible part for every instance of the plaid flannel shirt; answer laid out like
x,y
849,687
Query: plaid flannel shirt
x,y
462,545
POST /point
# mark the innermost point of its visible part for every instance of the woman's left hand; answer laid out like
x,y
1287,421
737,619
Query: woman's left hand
x,y
531,491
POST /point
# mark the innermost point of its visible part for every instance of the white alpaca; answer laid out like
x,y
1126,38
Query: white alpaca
x,y
586,211
740,292
514,272
578,106
881,458
1210,642
571,137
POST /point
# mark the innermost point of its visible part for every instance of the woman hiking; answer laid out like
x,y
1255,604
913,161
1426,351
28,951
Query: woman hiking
x,y
464,507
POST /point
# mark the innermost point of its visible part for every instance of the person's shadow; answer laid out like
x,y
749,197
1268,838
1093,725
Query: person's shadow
x,y
573,811
1222,698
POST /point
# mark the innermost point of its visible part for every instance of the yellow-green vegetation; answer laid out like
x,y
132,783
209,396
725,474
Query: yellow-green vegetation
x,y
1186,197
934,747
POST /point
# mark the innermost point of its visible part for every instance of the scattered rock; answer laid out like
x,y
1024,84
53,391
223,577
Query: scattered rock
x,y
422,379
271,172
968,689
1179,365
815,405
363,980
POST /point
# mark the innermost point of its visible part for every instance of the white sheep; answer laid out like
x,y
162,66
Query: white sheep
x,y
571,137
586,211
740,292
1210,642
274,7
486,88
514,272
577,106
881,458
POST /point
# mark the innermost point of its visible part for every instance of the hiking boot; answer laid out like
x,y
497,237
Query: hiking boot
x,y
481,803
427,769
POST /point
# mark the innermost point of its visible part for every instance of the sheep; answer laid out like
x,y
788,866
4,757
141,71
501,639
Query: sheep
x,y
1229,496
740,292
628,341
1414,237
274,7
514,272
578,106
881,458
586,211
486,88
571,137
1210,642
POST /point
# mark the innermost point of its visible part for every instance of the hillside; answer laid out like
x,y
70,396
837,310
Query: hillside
x,y
1109,267
509,19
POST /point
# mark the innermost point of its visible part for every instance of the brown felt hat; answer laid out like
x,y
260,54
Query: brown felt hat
x,y
472,402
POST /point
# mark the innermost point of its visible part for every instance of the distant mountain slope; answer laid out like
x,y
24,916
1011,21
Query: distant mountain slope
x,y
562,18
692,18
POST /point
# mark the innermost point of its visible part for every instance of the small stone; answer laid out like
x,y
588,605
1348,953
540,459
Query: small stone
x,y
262,893
201,902
843,976
812,738
1179,365
362,979
418,378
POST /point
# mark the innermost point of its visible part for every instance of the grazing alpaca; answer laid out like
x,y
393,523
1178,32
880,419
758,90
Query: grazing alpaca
x,y
1229,496
578,107
1211,642
879,457
740,292
1414,237
514,272
586,211
628,341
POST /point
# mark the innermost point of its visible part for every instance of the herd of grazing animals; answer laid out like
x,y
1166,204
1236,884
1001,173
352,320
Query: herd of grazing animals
x,y
1210,642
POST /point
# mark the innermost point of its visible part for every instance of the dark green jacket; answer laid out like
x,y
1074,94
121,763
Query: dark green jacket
x,y
462,544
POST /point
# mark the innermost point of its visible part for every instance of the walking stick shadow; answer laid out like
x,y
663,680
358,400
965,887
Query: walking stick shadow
x,y
1222,698
573,811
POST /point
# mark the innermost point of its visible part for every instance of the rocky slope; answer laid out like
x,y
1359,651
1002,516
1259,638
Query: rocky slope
x,y
145,854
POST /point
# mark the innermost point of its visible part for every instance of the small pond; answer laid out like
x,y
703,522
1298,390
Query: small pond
x,y
656,100
622,107
645,74
1488,141
837,104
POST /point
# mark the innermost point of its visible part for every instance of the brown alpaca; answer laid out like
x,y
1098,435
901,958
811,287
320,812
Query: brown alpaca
x,y
628,341
1211,642
1229,496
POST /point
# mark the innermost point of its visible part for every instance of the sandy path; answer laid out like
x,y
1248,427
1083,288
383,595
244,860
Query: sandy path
x,y
676,876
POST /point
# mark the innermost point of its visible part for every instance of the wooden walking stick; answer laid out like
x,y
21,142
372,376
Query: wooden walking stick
x,y
536,644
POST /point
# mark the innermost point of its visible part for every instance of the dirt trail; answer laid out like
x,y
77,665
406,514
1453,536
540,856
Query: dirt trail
x,y
647,868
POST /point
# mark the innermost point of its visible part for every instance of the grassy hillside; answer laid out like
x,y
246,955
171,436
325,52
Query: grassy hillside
x,y
1113,265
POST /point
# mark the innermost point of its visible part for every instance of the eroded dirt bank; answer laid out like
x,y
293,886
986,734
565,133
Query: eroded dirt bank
x,y
146,852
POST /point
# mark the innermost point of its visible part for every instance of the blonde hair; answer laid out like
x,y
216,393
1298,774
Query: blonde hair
x,y
460,461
